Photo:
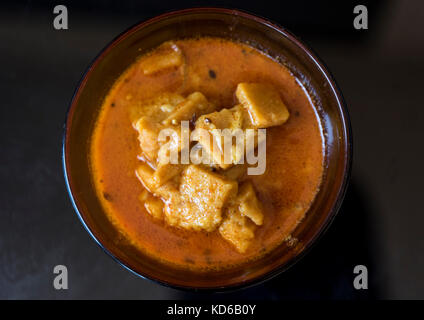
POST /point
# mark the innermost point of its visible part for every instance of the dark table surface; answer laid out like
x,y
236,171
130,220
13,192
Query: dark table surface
x,y
380,72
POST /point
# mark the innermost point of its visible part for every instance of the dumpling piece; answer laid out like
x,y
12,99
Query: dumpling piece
x,y
148,132
154,207
249,204
237,172
194,105
157,107
242,216
201,199
166,56
166,172
146,175
263,103
237,229
238,124
211,137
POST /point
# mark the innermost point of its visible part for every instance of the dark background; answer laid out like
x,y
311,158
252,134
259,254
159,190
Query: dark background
x,y
380,72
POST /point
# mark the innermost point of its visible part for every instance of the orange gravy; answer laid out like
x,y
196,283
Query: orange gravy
x,y
295,153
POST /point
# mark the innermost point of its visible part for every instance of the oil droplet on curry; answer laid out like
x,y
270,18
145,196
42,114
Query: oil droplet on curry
x,y
206,216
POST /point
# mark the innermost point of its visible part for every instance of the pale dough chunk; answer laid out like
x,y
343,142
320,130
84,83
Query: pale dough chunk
x,y
193,106
157,108
237,229
148,131
177,139
224,119
166,56
149,127
154,207
148,136
146,176
212,125
263,103
236,120
237,172
198,155
202,196
165,172
249,204
244,212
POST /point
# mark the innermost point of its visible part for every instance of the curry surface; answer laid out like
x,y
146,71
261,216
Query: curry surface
x,y
294,166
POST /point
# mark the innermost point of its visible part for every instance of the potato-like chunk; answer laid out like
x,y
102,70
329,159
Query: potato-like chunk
x,y
157,107
199,205
146,176
166,56
148,131
249,204
242,214
223,119
236,120
154,207
149,128
237,172
237,229
174,140
193,106
263,103
211,137
165,172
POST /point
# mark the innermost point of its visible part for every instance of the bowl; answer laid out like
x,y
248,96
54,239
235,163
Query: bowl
x,y
275,41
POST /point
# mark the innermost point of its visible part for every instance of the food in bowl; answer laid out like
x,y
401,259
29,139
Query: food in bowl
x,y
206,215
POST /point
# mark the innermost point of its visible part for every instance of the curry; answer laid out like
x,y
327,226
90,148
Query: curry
x,y
206,211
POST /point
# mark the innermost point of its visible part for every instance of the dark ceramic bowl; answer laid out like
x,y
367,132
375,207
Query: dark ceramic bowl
x,y
260,33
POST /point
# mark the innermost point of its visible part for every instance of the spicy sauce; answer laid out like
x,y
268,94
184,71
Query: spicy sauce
x,y
295,153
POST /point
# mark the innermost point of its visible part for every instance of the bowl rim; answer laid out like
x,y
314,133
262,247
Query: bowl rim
x,y
342,109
